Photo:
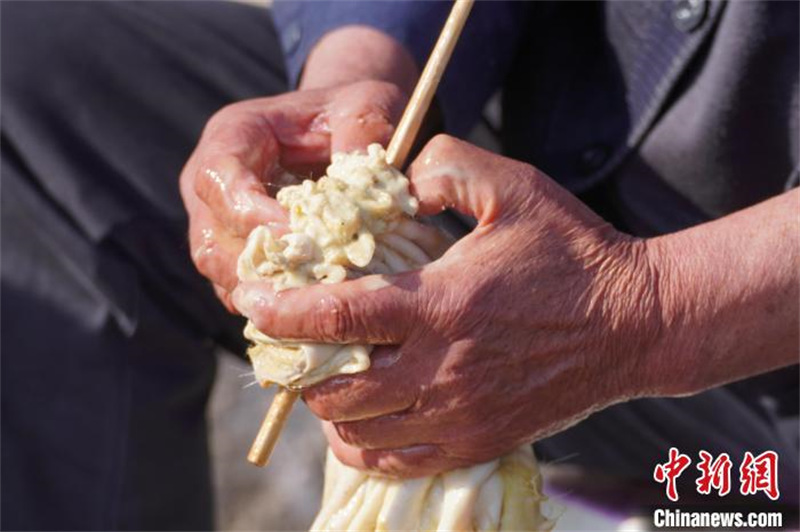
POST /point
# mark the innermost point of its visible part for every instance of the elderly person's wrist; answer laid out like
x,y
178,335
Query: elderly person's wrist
x,y
724,302
673,366
660,375
662,360
359,53
627,308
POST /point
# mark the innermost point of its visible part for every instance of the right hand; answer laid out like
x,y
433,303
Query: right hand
x,y
229,182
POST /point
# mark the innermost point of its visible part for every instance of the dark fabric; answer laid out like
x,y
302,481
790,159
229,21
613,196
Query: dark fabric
x,y
681,126
108,331
729,138
594,75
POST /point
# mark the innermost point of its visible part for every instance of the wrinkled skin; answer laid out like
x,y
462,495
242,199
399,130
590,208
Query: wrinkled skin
x,y
525,326
228,183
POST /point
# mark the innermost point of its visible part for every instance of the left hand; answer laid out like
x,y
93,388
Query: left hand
x,y
539,317
244,150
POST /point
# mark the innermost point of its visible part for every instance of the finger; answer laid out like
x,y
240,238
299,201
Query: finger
x,y
370,394
354,133
405,462
362,114
385,432
295,123
225,297
432,240
236,195
450,173
372,310
214,252
244,148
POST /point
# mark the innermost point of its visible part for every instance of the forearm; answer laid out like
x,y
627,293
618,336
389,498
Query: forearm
x,y
729,294
358,53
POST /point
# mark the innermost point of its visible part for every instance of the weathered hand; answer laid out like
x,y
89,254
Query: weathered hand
x,y
245,148
536,319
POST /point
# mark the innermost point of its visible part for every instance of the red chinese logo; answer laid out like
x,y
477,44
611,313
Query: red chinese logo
x,y
714,473
756,473
760,473
670,471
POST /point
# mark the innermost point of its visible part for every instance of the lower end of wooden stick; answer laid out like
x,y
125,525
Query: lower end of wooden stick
x,y
272,426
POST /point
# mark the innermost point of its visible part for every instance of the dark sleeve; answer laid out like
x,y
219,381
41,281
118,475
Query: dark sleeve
x,y
479,64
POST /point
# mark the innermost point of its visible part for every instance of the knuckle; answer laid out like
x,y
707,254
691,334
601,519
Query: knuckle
x,y
203,262
207,178
203,258
262,315
334,319
442,143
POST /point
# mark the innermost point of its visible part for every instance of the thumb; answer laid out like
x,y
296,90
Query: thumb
x,y
371,309
356,132
363,113
450,173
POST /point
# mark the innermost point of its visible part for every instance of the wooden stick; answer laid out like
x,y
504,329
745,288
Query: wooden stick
x,y
396,155
406,132
272,426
